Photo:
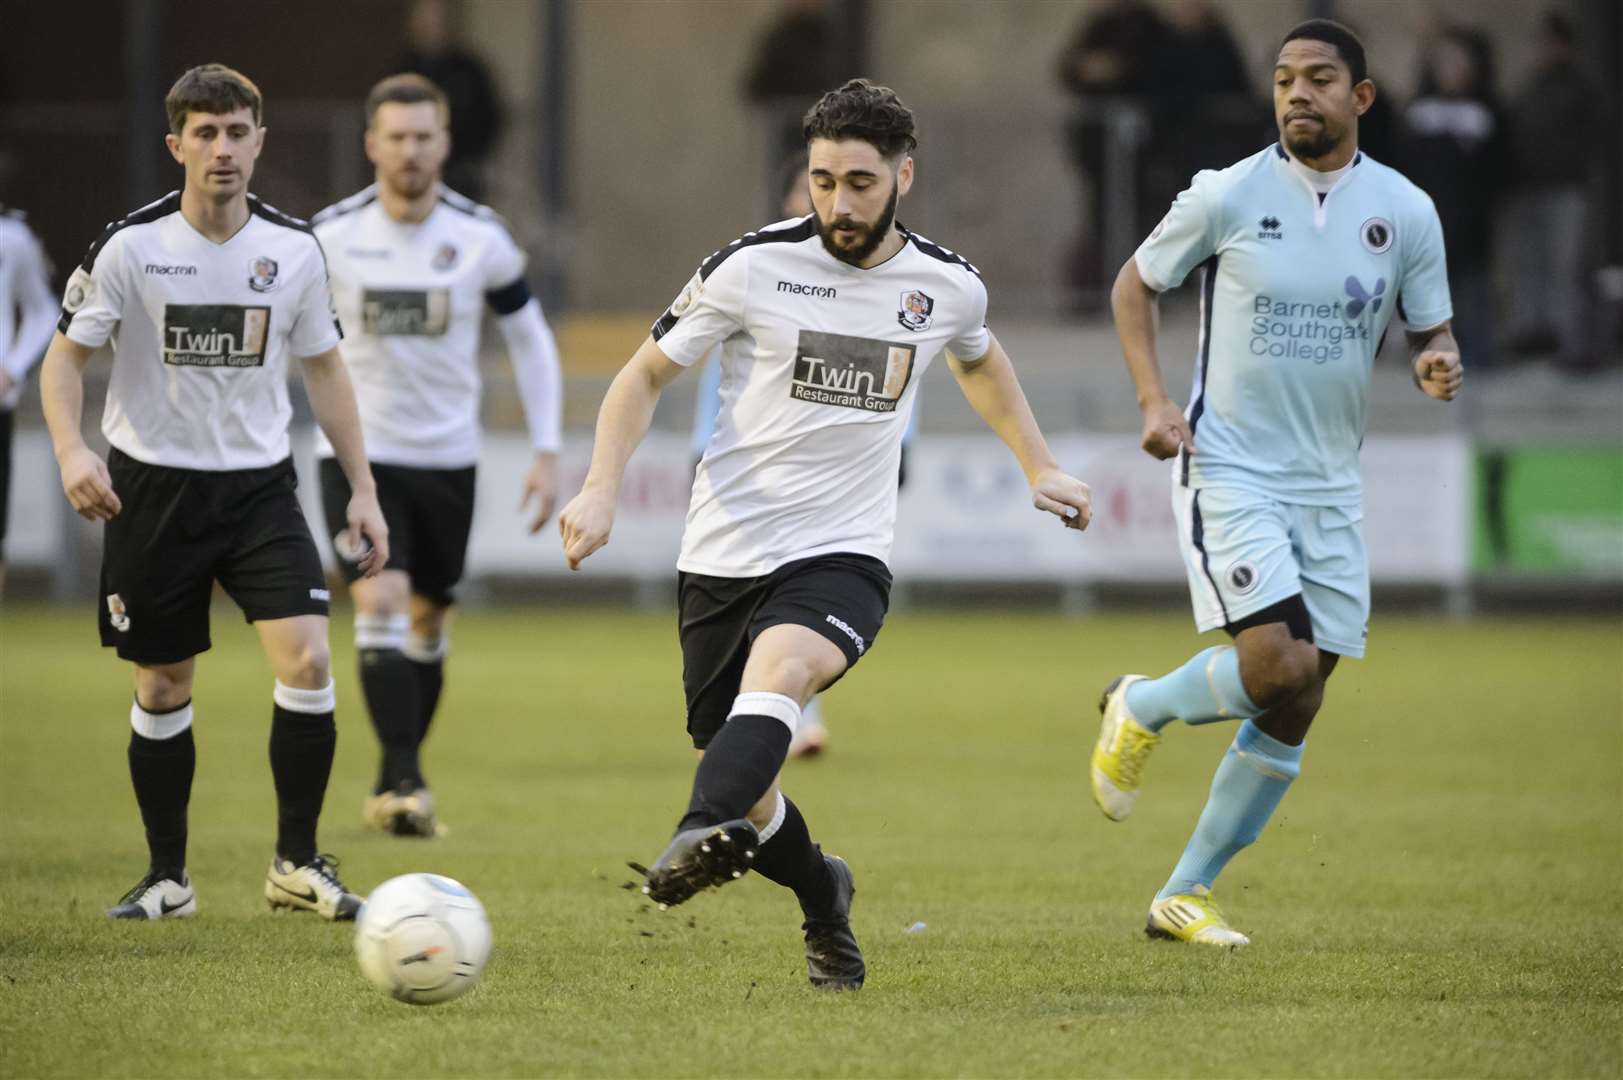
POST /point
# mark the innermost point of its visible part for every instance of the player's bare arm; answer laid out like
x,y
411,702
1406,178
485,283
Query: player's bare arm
x,y
991,387
85,480
1136,309
326,382
1438,372
622,421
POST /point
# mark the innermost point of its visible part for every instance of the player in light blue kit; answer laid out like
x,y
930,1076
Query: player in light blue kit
x,y
1306,250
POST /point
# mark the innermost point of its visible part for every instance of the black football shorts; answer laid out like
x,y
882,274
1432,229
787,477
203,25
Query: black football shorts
x,y
843,597
180,531
429,513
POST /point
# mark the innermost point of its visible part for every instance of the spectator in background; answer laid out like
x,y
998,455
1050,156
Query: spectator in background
x,y
792,64
1554,123
476,115
1203,114
1112,54
1454,144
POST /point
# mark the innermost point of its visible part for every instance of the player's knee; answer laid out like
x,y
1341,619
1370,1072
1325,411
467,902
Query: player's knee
x,y
161,689
790,675
310,666
1283,674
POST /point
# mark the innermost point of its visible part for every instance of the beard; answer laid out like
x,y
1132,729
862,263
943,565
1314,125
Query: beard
x,y
869,237
1312,145
410,185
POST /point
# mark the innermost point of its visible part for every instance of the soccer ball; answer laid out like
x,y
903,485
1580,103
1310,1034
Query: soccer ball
x,y
422,938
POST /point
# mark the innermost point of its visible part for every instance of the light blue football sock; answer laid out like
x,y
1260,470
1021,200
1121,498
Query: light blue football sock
x,y
1250,781
1206,689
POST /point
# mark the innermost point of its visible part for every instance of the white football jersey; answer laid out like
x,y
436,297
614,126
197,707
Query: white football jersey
x,y
821,363
201,332
27,306
411,297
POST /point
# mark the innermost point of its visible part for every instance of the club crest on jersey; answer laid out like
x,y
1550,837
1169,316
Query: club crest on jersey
x,y
262,274
445,257
1377,234
915,310
80,286
117,614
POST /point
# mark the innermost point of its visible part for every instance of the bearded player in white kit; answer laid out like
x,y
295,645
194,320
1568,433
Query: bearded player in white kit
x,y
414,264
204,295
826,324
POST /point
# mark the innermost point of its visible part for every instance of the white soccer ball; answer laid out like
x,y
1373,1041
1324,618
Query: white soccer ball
x,y
422,938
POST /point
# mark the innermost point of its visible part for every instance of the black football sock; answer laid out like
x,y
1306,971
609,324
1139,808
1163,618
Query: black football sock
x,y
789,858
428,663
161,770
390,688
743,760
302,740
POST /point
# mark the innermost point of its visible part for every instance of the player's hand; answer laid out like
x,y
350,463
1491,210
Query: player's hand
x,y
368,533
585,524
1439,374
89,486
1064,496
1165,430
541,484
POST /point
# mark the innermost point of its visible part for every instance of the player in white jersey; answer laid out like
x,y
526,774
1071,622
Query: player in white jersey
x,y
826,325
27,316
1308,248
205,296
413,266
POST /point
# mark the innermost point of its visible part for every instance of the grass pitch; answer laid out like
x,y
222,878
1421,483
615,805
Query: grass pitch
x,y
1437,897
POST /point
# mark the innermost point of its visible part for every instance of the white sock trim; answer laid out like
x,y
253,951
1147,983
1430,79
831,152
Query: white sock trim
x,y
777,819
426,650
381,631
761,703
163,725
313,702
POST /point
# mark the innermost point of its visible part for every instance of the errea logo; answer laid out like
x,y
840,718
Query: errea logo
x,y
1268,229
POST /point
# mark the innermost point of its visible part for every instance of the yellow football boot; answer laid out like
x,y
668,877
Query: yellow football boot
x,y
1193,917
1119,755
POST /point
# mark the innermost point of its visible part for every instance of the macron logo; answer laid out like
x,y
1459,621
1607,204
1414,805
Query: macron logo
x,y
823,292
170,270
845,628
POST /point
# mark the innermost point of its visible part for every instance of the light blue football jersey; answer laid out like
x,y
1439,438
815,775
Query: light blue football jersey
x,y
1296,296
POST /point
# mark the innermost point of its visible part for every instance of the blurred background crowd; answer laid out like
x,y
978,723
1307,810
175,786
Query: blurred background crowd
x,y
626,139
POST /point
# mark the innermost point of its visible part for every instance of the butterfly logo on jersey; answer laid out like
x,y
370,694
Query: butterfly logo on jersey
x,y
1360,297
915,310
262,274
445,257
1377,234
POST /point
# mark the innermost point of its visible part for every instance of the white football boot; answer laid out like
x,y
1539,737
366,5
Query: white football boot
x,y
157,897
311,887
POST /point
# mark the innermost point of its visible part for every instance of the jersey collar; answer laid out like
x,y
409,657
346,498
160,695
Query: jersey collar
x,y
1320,185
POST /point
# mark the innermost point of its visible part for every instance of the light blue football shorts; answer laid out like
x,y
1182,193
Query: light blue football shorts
x,y
1244,551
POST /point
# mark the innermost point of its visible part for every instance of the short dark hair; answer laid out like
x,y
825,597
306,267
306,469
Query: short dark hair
x,y
407,88
211,88
863,110
1333,33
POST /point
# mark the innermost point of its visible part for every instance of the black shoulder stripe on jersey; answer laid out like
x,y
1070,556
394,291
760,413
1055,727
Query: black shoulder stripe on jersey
x,y
152,211
804,229
936,251
358,201
276,217
510,297
794,234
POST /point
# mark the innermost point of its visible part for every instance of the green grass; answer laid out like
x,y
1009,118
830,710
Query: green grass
x,y
1438,896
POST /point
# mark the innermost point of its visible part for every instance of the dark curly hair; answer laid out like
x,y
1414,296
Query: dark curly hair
x,y
863,110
